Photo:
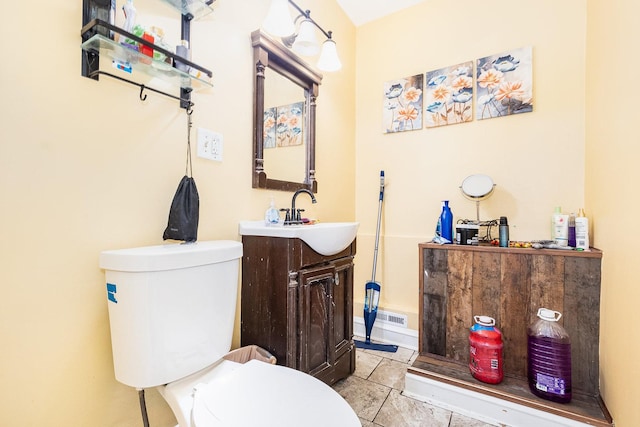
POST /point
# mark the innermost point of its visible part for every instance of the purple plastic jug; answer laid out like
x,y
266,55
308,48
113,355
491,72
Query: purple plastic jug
x,y
549,357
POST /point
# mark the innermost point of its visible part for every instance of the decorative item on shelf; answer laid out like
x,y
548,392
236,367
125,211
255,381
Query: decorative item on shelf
x,y
302,39
479,187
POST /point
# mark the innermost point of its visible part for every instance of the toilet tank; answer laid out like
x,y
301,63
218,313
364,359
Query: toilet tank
x,y
171,308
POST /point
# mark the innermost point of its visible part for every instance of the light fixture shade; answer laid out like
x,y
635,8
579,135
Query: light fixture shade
x,y
306,42
278,21
329,60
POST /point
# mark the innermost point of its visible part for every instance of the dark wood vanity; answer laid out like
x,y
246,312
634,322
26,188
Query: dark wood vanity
x,y
298,305
510,284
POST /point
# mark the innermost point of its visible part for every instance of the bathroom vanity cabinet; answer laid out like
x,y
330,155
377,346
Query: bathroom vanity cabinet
x,y
298,304
510,284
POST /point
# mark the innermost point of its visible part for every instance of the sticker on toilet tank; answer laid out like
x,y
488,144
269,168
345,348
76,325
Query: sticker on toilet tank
x,y
111,292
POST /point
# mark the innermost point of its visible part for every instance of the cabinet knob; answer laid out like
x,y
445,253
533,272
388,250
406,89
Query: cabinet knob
x,y
336,279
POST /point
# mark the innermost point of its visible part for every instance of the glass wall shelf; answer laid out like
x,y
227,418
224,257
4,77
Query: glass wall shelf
x,y
135,66
126,62
195,8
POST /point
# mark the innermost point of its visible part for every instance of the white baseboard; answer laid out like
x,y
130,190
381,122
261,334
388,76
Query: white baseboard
x,y
388,334
479,406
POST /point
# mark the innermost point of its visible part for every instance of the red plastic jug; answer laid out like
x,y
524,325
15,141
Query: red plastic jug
x,y
485,350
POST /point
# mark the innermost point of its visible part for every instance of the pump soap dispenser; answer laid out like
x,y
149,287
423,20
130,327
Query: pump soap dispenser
x,y
272,216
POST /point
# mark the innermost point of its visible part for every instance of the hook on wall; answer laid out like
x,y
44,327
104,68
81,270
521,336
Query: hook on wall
x,y
142,98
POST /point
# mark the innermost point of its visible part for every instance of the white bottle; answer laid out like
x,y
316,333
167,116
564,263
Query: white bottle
x,y
130,16
582,231
560,228
272,216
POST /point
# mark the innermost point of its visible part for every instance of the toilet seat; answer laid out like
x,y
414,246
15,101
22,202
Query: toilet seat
x,y
258,393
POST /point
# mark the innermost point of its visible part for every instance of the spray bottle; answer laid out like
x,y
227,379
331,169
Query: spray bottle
x,y
129,23
130,16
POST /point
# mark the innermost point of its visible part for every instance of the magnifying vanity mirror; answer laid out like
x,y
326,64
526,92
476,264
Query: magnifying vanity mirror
x,y
284,120
477,187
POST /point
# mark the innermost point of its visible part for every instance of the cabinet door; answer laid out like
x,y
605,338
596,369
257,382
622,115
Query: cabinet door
x,y
343,307
315,314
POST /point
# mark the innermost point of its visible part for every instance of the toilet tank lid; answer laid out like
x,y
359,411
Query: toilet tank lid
x,y
171,256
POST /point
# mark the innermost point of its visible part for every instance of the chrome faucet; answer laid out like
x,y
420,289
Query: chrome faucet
x,y
295,213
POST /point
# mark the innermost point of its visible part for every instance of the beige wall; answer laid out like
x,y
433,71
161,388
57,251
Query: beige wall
x,y
612,173
86,166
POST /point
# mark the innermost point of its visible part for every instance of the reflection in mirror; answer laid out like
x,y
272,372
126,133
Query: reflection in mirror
x,y
284,148
285,91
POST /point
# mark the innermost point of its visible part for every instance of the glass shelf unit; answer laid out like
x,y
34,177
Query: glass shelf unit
x,y
130,65
134,65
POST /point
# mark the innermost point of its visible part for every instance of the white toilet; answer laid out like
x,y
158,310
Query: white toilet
x,y
172,312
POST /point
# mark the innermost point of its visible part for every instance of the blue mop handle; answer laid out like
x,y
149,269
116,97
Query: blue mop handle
x,y
375,252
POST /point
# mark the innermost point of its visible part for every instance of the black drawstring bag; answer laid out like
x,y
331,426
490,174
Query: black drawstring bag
x,y
185,207
184,213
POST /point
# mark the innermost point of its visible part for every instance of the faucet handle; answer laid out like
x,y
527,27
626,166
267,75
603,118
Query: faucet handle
x,y
298,217
287,217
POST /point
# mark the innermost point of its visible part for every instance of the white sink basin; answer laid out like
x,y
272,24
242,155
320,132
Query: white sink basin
x,y
326,238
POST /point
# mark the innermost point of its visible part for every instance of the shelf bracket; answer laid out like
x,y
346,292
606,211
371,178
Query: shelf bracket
x,y
184,102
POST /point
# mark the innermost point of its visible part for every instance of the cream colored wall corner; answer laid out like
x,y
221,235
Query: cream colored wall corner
x,y
536,159
612,173
86,167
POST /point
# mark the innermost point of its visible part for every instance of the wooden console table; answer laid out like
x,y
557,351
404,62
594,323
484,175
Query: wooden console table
x,y
510,284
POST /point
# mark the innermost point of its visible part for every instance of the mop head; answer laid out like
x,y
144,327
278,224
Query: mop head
x,y
368,345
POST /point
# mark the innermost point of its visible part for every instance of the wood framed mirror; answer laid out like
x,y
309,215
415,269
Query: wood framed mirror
x,y
283,82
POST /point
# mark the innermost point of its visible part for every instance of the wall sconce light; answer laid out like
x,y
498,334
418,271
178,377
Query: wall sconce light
x,y
302,39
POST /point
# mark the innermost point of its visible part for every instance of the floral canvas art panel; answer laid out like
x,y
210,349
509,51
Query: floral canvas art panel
x,y
269,128
289,125
449,95
402,108
505,84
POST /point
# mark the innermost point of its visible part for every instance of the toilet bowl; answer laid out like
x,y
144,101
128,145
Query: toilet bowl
x,y
172,312
256,394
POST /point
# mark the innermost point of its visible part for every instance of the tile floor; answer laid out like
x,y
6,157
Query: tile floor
x,y
374,392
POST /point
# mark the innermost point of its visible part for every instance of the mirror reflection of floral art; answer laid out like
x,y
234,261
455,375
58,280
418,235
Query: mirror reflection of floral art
x,y
505,84
402,109
449,95
269,128
282,125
